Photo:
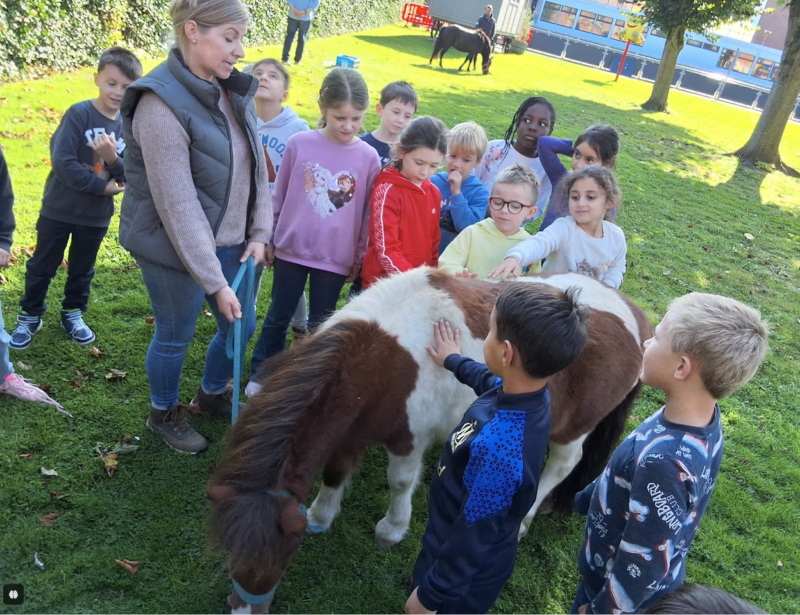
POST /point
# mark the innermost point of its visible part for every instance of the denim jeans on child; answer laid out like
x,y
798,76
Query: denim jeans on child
x,y
295,25
5,364
43,265
288,283
177,300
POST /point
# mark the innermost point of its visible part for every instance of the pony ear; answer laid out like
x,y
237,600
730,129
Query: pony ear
x,y
292,521
219,493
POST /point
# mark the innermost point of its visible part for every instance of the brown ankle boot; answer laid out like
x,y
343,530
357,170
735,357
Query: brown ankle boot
x,y
175,431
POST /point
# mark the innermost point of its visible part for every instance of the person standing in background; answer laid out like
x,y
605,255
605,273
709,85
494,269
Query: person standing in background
x,y
486,22
300,14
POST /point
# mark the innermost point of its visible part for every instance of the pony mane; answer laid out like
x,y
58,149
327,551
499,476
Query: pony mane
x,y
255,457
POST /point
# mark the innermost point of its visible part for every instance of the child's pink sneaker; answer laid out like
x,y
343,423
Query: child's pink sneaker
x,y
15,385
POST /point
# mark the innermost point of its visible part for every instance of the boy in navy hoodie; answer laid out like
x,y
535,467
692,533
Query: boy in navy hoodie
x,y
488,475
276,123
86,152
644,510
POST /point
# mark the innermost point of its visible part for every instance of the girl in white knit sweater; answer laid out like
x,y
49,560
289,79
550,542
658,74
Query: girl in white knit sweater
x,y
584,241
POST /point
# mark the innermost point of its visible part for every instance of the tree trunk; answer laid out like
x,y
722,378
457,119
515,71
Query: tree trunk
x,y
764,143
666,70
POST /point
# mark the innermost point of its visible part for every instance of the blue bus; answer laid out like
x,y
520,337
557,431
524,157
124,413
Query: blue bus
x,y
599,22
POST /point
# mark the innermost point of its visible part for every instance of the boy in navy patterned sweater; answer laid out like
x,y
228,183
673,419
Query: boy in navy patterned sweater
x,y
488,474
644,510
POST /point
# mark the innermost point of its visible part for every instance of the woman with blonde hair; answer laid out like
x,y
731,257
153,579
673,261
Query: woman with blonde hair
x,y
196,204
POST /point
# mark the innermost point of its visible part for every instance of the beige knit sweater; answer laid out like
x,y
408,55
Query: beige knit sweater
x,y
165,149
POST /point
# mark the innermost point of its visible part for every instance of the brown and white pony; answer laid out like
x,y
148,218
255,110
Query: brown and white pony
x,y
365,378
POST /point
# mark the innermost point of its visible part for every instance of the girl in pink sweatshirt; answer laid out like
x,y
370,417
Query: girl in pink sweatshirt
x,y
315,237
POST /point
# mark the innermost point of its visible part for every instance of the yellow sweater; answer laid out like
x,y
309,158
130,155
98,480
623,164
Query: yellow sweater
x,y
480,248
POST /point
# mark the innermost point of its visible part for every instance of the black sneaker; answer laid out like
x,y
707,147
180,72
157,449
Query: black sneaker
x,y
72,323
219,405
175,431
27,326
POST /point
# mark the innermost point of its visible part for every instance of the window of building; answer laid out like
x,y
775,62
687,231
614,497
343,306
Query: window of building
x,y
693,42
602,26
762,68
658,33
566,17
710,47
726,58
619,26
586,21
743,63
550,12
775,69
626,5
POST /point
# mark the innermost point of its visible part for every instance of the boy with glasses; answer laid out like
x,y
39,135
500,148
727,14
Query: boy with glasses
x,y
479,247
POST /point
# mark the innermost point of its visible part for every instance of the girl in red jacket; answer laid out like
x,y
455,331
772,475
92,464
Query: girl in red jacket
x,y
404,208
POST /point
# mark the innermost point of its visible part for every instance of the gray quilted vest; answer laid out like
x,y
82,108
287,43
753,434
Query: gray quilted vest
x,y
195,102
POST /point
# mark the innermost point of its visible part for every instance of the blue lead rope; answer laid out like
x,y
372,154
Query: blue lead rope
x,y
236,344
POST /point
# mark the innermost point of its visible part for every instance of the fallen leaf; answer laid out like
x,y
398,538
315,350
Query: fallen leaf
x,y
151,319
22,365
64,265
780,564
3,279
749,237
96,352
55,493
46,472
80,375
45,387
125,449
25,456
76,384
706,249
115,374
47,520
110,463
667,272
207,314
36,561
132,567
750,255
127,438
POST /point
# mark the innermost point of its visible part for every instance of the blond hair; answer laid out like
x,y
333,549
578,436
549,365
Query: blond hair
x,y
727,339
207,14
468,138
517,174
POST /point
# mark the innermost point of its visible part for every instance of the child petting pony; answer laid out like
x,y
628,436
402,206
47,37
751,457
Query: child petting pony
x,y
584,242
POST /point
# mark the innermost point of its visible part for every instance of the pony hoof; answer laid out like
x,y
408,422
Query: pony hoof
x,y
314,525
387,536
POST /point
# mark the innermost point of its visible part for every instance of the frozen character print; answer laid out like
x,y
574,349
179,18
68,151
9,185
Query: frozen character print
x,y
317,180
494,157
345,189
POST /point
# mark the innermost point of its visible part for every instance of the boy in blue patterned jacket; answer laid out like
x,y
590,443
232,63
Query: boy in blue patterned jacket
x,y
644,510
488,474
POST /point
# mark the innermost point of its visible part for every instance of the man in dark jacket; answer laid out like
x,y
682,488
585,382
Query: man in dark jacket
x,y
487,23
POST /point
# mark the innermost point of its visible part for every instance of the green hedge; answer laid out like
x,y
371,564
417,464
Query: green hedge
x,y
40,35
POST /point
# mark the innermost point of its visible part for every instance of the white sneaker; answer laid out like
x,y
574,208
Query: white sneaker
x,y
252,389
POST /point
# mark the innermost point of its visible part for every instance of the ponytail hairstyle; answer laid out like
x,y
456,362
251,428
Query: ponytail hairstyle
x,y
207,14
340,87
604,140
423,131
527,104
604,178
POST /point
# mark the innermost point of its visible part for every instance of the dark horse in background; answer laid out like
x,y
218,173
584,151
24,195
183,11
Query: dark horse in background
x,y
472,42
364,378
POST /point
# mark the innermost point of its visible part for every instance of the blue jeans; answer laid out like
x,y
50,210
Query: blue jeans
x,y
177,299
294,25
5,364
288,284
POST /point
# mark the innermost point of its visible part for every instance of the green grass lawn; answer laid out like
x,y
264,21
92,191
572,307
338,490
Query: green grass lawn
x,y
686,209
